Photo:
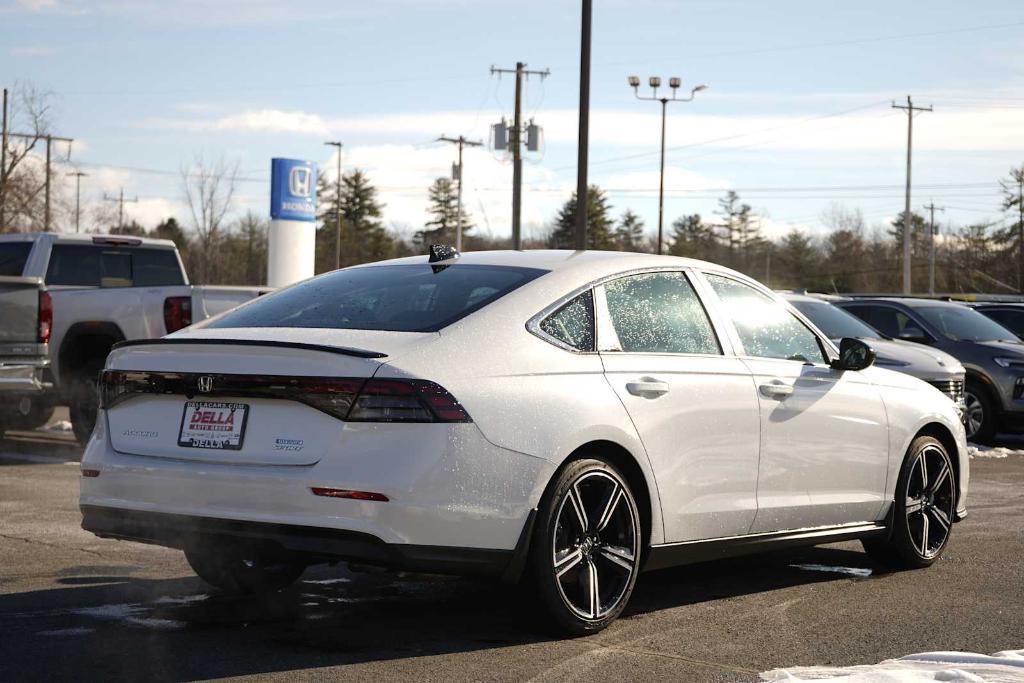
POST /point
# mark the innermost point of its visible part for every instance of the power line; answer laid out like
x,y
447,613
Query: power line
x,y
461,142
120,206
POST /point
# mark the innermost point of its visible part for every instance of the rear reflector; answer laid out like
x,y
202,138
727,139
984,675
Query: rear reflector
x,y
45,317
351,495
90,473
352,399
177,313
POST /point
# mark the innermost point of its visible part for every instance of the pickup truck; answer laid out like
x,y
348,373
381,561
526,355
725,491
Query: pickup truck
x,y
107,289
25,323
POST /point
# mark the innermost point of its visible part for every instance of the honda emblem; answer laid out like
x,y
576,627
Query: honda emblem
x,y
204,384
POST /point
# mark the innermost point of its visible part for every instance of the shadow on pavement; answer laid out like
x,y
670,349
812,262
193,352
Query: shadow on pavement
x,y
180,629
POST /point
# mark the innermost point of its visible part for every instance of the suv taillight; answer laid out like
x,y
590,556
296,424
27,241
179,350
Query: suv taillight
x,y
177,313
45,317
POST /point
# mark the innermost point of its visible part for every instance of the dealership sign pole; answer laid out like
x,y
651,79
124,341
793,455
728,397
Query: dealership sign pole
x,y
291,244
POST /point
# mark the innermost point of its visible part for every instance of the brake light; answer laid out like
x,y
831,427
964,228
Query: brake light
x,y
393,400
177,313
352,399
45,317
351,495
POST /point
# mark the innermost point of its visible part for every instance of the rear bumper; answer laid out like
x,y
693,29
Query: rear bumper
x,y
316,543
23,377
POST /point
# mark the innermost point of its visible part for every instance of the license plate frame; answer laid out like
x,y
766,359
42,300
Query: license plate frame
x,y
191,435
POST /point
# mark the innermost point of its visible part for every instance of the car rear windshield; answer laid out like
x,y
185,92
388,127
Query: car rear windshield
x,y
406,298
13,256
965,324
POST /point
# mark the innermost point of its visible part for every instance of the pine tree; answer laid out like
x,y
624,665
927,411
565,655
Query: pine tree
x,y
691,237
1011,237
798,259
739,232
599,223
630,232
444,202
363,236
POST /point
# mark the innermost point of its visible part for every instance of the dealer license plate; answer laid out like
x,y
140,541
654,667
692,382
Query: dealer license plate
x,y
210,424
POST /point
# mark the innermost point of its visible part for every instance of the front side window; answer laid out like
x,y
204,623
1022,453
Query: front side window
x,y
765,327
960,323
408,298
573,323
659,313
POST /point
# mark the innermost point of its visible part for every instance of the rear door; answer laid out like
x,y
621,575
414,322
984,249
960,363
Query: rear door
x,y
693,406
824,432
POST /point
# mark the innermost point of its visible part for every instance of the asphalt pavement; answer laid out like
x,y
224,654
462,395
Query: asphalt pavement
x,y
73,606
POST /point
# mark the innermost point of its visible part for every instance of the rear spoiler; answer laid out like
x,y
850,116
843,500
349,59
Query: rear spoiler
x,y
339,350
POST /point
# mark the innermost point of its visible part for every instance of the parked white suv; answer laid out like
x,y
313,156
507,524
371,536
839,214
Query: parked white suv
x,y
571,417
107,289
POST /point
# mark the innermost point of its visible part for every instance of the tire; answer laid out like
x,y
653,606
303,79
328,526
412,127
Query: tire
x,y
980,415
85,402
39,413
242,570
923,509
587,536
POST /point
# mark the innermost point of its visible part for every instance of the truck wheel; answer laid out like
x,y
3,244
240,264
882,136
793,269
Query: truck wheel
x,y
27,414
85,403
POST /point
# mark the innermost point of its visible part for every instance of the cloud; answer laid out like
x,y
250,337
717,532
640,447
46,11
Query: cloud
x,y
32,51
38,5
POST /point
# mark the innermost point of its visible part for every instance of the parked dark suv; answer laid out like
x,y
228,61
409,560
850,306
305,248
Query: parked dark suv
x,y
1009,315
992,355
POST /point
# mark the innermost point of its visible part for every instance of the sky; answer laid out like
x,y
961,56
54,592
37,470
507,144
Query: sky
x,y
797,117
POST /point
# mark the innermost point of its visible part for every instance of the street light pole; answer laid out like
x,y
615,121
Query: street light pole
x,y
337,209
655,83
78,196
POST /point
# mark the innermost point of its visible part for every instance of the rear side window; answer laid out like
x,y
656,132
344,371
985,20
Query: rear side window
x,y
888,321
408,298
13,256
1010,319
83,265
573,323
659,313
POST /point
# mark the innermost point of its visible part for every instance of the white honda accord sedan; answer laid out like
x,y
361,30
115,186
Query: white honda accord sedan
x,y
568,418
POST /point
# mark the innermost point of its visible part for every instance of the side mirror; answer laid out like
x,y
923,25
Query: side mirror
x,y
913,333
853,355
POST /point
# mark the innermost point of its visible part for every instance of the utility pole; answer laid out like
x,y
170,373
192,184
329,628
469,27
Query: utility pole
x,y
337,206
931,245
461,141
583,143
515,141
78,196
907,222
655,83
46,185
3,166
120,207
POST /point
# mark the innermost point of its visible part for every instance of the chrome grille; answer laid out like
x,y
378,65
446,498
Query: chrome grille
x,y
954,388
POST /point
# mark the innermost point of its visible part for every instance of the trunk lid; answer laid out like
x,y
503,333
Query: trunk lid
x,y
283,387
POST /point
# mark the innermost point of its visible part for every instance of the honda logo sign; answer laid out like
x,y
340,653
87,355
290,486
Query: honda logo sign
x,y
292,190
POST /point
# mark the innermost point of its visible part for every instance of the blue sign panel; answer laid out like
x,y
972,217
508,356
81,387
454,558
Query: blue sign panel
x,y
292,190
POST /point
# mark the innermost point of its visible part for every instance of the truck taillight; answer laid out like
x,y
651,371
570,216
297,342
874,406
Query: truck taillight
x,y
45,317
177,313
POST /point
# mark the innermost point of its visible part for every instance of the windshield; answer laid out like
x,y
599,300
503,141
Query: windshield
x,y
13,256
409,298
965,324
835,322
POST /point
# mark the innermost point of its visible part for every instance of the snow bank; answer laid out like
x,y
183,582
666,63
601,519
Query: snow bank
x,y
961,667
977,451
59,426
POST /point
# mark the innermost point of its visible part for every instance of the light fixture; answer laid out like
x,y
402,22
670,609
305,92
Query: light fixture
x,y
675,82
654,81
634,81
700,87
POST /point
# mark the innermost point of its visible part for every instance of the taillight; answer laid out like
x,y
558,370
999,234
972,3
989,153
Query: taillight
x,y
177,313
45,317
393,400
351,399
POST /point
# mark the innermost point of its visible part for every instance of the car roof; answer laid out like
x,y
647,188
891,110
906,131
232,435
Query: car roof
x,y
909,302
587,263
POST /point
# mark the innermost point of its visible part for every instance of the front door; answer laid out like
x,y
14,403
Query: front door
x,y
694,408
824,432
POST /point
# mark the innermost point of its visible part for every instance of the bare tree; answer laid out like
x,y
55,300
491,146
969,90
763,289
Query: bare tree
x,y
24,175
209,189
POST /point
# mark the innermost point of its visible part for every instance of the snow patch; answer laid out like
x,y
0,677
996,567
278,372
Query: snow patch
x,y
180,600
328,581
67,632
129,613
993,452
851,571
58,426
961,667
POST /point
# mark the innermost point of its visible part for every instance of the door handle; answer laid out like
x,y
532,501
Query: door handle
x,y
776,389
647,387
